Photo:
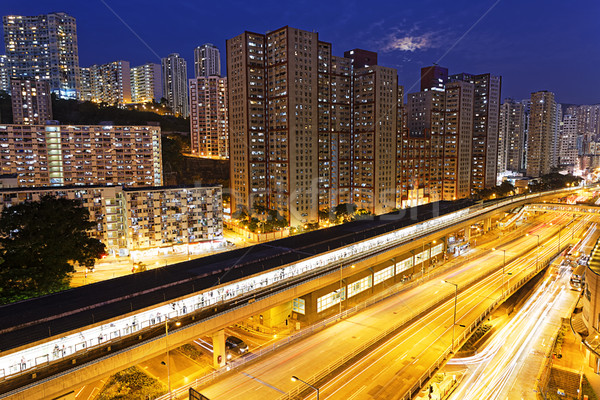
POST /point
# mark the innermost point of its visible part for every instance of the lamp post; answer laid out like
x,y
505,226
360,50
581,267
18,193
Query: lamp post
x,y
455,303
295,378
167,348
503,266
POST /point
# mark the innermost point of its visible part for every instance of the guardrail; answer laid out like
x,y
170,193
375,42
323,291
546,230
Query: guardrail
x,y
380,245
234,365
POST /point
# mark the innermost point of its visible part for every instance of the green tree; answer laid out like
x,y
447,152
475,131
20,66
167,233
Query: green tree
x,y
40,242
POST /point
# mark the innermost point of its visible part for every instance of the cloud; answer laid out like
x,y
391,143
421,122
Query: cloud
x,y
408,42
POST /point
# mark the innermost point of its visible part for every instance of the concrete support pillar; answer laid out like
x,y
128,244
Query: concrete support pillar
x,y
219,354
467,233
487,224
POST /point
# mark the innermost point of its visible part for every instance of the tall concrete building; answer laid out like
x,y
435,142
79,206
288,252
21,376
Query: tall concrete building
x,y
423,148
436,143
567,153
31,102
510,137
542,130
86,92
146,83
207,61
44,47
309,130
374,132
433,77
486,114
58,155
209,130
4,75
111,83
175,84
458,129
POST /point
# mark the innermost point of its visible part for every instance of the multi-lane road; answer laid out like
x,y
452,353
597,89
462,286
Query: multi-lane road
x,y
392,368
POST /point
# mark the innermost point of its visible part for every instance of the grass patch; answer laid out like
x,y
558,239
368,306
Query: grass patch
x,y
560,338
131,384
192,352
478,334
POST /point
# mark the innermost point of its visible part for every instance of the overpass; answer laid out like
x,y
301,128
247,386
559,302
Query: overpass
x,y
81,334
575,209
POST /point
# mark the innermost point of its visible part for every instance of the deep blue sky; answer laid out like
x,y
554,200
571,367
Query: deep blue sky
x,y
535,45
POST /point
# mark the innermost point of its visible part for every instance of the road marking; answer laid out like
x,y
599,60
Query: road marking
x,y
263,382
357,392
80,390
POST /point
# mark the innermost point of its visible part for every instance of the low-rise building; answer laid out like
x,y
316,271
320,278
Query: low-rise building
x,y
129,219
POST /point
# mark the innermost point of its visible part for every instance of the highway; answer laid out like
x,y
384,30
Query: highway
x,y
391,369
509,363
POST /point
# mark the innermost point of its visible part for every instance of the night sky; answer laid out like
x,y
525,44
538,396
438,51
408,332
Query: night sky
x,y
534,45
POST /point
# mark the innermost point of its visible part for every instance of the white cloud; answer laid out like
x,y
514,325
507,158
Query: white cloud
x,y
408,42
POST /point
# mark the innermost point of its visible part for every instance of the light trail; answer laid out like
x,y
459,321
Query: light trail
x,y
496,365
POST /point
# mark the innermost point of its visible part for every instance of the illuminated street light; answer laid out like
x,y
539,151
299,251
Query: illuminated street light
x,y
295,378
455,303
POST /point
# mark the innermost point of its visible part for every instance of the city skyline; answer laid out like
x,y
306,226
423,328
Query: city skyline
x,y
527,48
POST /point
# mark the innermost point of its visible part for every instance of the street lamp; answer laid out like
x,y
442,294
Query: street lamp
x,y
455,302
503,266
295,378
167,347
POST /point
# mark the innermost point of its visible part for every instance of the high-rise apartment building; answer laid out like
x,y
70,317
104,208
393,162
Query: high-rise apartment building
x,y
57,155
486,113
146,83
175,84
31,102
510,137
433,77
458,130
435,155
209,130
207,61
542,130
86,92
44,47
4,76
309,130
374,135
111,83
567,155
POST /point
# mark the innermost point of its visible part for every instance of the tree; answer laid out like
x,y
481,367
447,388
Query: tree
x,y
40,242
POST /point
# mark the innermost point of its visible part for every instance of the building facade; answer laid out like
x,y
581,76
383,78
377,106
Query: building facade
x,y
207,61
111,83
58,155
486,114
175,84
209,130
309,130
44,47
146,83
139,218
541,133
31,102
567,153
4,75
85,79
511,136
